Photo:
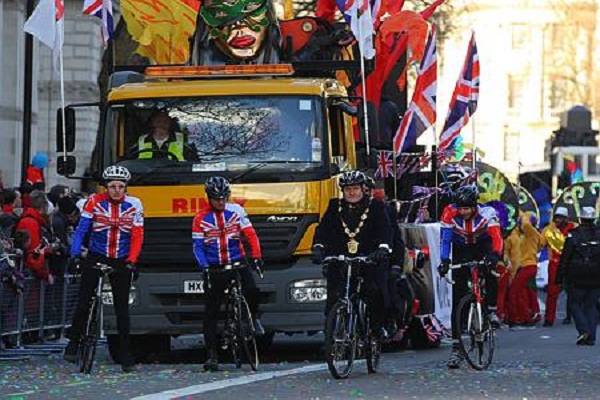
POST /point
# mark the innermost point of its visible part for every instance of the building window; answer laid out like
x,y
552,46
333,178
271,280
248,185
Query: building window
x,y
516,92
521,36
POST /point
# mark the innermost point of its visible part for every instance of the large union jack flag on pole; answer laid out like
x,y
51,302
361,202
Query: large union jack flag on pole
x,y
464,99
421,113
102,9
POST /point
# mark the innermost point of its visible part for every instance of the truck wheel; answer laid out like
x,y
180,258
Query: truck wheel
x,y
265,341
140,346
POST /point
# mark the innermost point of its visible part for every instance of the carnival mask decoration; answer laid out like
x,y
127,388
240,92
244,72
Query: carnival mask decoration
x,y
238,27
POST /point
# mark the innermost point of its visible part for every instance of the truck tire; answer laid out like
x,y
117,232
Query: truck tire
x,y
141,346
265,341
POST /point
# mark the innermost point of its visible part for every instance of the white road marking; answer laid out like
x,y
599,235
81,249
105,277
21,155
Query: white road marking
x,y
243,380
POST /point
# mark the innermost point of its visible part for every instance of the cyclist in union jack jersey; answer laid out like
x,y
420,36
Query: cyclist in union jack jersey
x,y
217,241
473,233
115,222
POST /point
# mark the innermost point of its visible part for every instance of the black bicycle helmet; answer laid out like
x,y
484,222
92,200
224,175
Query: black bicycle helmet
x,y
466,196
217,188
350,178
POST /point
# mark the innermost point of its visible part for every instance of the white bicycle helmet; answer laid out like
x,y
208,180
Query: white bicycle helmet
x,y
116,173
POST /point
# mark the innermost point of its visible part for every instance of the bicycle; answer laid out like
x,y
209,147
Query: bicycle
x,y
238,332
477,338
89,338
347,328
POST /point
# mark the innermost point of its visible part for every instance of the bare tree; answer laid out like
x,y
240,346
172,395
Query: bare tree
x,y
570,46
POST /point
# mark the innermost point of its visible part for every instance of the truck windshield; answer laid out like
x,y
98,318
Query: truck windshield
x,y
173,140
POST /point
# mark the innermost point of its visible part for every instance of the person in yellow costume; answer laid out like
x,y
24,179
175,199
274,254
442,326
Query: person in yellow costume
x,y
521,250
554,236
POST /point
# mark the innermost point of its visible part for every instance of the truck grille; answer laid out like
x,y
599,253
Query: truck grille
x,y
168,240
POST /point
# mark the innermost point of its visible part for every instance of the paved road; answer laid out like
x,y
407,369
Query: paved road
x,y
539,363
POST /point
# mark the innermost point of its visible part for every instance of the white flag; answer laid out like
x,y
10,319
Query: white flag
x,y
47,24
361,23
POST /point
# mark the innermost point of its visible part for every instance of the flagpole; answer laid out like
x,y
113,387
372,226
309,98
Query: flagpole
x,y
474,144
364,88
395,172
27,97
62,105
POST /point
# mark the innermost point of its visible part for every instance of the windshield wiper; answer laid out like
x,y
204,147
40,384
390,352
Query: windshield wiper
x,y
249,171
141,176
263,163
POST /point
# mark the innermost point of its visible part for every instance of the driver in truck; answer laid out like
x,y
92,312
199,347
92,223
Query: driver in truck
x,y
163,141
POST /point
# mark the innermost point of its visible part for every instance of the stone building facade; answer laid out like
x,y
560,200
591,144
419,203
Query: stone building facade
x,y
537,60
82,62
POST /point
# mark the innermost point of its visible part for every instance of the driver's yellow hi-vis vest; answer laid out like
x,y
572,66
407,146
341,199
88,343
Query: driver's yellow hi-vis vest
x,y
175,147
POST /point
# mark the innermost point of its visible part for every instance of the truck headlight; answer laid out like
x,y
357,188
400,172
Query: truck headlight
x,y
308,291
107,296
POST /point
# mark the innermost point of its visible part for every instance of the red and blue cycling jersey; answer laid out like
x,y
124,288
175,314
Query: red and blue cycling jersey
x,y
217,236
116,228
481,229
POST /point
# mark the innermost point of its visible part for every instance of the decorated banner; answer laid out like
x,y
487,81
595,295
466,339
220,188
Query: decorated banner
x,y
162,28
577,196
527,203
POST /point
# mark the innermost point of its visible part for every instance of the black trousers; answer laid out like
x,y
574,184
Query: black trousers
x,y
375,289
584,306
462,276
214,298
120,281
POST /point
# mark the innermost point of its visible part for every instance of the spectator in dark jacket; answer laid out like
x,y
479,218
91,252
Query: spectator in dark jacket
x,y
580,267
63,220
11,199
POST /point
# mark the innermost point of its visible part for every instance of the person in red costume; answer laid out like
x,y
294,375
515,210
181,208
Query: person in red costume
x,y
554,236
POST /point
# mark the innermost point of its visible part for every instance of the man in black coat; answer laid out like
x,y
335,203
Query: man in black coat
x,y
580,268
355,225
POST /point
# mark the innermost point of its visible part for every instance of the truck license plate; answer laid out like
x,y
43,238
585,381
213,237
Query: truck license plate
x,y
195,286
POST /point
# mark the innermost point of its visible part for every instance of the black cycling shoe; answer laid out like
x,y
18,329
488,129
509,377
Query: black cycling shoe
x,y
211,365
128,368
456,357
70,354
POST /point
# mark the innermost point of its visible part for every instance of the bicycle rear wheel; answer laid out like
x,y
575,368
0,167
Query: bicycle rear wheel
x,y
247,335
477,336
87,348
340,342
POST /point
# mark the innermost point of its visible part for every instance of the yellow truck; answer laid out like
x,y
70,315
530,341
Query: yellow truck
x,y
282,142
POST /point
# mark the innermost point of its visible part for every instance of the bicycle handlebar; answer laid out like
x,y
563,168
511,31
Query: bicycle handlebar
x,y
480,263
344,258
104,268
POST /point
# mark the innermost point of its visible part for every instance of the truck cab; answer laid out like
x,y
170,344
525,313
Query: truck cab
x,y
281,140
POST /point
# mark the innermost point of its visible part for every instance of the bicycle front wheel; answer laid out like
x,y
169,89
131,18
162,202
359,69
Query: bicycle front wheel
x,y
87,348
340,341
477,336
247,335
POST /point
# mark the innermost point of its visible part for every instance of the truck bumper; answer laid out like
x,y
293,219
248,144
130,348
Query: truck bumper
x,y
162,308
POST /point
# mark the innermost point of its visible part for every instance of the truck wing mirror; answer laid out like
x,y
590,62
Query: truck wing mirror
x,y
65,166
69,124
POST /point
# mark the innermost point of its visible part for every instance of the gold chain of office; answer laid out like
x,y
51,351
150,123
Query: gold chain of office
x,y
352,243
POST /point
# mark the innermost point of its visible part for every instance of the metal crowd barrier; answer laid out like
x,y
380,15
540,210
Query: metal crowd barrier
x,y
40,312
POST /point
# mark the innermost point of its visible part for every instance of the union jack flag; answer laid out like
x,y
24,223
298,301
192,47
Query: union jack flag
x,y
464,99
102,9
385,165
408,163
421,113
